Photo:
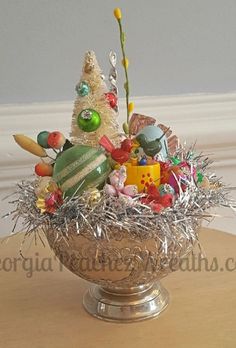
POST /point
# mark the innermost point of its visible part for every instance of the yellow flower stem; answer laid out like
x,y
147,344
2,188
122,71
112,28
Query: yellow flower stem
x,y
125,67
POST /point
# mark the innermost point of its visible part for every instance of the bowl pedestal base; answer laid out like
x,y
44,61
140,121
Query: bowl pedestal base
x,y
126,305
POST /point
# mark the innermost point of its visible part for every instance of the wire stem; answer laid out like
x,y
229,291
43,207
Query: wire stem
x,y
126,86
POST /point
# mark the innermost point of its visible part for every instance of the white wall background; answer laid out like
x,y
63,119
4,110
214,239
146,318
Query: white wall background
x,y
174,46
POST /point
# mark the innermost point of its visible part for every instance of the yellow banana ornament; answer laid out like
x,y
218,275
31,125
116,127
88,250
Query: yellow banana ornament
x,y
29,145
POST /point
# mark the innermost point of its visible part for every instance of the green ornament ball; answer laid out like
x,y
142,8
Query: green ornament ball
x,y
42,139
89,120
82,89
80,168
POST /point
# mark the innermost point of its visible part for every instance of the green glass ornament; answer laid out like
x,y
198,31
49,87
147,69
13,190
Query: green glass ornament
x,y
82,89
42,139
89,120
79,168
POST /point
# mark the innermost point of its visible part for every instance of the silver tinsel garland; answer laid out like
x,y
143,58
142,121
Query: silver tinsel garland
x,y
108,213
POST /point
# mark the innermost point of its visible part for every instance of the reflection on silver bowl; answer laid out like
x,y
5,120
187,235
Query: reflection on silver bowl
x,y
126,270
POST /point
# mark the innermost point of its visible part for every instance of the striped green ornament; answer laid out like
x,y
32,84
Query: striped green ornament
x,y
79,168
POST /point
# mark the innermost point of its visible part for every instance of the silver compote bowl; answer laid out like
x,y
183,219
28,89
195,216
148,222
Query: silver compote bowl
x,y
125,271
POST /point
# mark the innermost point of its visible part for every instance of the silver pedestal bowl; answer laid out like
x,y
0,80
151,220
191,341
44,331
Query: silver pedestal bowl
x,y
125,271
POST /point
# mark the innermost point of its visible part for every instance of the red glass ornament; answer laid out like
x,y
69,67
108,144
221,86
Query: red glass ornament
x,y
112,99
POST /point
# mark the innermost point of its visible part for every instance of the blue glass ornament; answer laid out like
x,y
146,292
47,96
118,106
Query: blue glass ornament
x,y
143,161
82,89
166,189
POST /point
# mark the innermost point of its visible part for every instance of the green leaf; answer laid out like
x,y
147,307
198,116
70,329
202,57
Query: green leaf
x,y
126,87
126,128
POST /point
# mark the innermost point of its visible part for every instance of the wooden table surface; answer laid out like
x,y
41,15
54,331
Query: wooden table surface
x,y
44,309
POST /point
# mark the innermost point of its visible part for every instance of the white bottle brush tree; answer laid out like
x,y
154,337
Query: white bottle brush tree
x,y
95,107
